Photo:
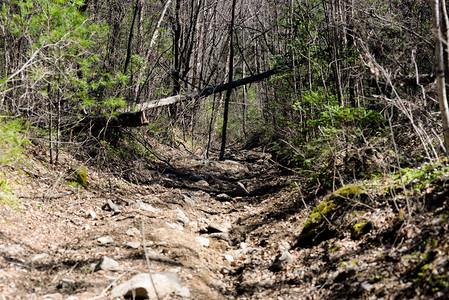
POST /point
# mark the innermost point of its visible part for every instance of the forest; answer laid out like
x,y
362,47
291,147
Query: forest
x,y
256,149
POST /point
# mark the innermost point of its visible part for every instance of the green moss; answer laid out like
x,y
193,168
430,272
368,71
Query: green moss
x,y
332,203
79,176
359,226
360,229
325,219
323,209
345,193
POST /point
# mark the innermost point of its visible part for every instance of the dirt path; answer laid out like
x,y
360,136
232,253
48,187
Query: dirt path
x,y
224,230
193,219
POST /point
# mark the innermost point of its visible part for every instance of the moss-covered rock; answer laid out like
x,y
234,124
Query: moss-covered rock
x,y
79,175
321,223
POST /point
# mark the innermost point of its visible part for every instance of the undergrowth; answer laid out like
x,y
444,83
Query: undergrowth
x,y
13,139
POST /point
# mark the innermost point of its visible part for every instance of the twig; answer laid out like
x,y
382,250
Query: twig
x,y
144,144
396,151
302,199
148,260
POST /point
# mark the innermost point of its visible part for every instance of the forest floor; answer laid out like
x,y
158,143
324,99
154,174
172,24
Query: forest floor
x,y
233,246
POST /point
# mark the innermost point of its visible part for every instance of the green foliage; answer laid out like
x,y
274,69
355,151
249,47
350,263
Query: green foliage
x,y
418,178
327,133
66,41
13,139
7,195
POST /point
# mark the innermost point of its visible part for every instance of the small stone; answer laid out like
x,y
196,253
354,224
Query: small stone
x,y
243,245
106,264
181,216
152,254
202,184
203,241
67,284
91,214
221,236
174,226
111,206
215,227
281,260
114,207
143,286
146,207
133,245
182,292
240,190
367,286
104,240
133,232
229,258
39,257
188,199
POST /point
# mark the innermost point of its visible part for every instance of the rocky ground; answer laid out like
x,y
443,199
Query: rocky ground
x,y
238,229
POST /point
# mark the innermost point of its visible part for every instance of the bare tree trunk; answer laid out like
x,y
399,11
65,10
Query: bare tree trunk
x,y
149,51
441,61
130,37
231,75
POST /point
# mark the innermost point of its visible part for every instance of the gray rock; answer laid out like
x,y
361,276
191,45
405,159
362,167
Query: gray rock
x,y
141,285
146,207
182,292
67,285
111,206
188,199
181,216
203,241
107,264
282,260
367,286
216,227
104,240
240,190
91,214
133,245
221,236
229,258
202,184
133,232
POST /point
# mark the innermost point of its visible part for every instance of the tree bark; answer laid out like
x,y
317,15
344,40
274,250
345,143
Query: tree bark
x,y
230,76
201,93
441,62
130,38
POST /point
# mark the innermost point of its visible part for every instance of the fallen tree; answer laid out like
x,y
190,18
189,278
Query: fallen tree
x,y
135,115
